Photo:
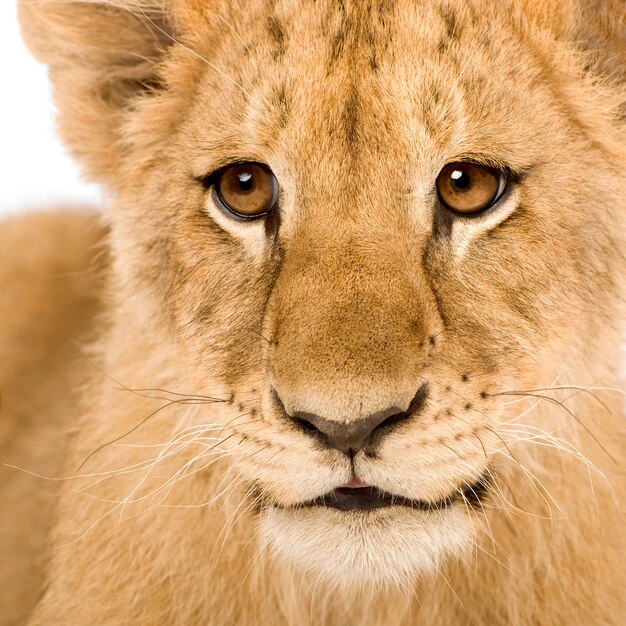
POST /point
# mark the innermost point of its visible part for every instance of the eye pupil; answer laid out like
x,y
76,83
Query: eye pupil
x,y
461,179
245,181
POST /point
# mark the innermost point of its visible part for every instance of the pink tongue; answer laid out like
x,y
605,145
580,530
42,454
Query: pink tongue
x,y
355,483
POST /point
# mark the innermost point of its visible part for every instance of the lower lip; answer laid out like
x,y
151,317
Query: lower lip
x,y
369,498
358,496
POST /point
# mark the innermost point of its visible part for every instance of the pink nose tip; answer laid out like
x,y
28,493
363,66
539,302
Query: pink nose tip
x,y
355,483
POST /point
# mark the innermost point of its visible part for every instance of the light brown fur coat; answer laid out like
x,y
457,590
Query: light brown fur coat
x,y
138,357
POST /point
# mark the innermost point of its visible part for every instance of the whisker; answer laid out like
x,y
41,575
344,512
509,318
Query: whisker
x,y
132,430
189,396
558,388
233,31
535,481
527,411
570,412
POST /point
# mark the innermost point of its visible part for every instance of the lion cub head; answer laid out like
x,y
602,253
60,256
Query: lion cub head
x,y
363,223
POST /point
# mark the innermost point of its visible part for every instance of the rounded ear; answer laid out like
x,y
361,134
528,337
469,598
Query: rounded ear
x,y
602,30
595,26
101,54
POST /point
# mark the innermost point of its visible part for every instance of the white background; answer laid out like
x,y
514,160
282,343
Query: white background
x,y
35,169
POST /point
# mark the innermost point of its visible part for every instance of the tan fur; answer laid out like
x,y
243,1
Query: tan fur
x,y
181,484
49,272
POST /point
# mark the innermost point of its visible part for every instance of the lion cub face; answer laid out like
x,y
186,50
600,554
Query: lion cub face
x,y
363,226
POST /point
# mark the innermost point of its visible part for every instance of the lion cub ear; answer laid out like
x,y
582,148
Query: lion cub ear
x,y
595,26
101,54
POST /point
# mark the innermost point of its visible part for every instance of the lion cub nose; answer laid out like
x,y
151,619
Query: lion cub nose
x,y
351,436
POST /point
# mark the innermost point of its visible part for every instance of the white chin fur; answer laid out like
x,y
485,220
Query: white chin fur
x,y
385,546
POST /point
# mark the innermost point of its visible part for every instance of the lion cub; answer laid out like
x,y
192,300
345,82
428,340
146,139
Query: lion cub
x,y
343,347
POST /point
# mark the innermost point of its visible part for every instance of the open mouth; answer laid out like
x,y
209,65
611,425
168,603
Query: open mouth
x,y
368,498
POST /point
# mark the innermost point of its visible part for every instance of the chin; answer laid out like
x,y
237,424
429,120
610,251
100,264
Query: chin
x,y
391,546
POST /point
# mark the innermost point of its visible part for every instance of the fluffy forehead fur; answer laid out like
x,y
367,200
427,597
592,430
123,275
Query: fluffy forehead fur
x,y
360,292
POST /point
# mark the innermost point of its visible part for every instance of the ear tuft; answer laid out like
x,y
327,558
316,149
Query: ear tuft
x,y
602,29
58,30
595,26
101,54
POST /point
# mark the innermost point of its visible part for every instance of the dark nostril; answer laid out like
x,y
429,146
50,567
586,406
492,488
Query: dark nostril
x,y
414,407
351,436
392,420
305,424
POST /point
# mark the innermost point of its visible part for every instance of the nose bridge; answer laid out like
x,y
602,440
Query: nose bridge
x,y
347,284
347,327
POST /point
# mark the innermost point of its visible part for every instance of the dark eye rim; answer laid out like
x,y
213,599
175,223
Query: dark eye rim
x,y
505,182
210,183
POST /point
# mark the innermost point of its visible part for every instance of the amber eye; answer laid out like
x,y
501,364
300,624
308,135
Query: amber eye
x,y
247,190
469,187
